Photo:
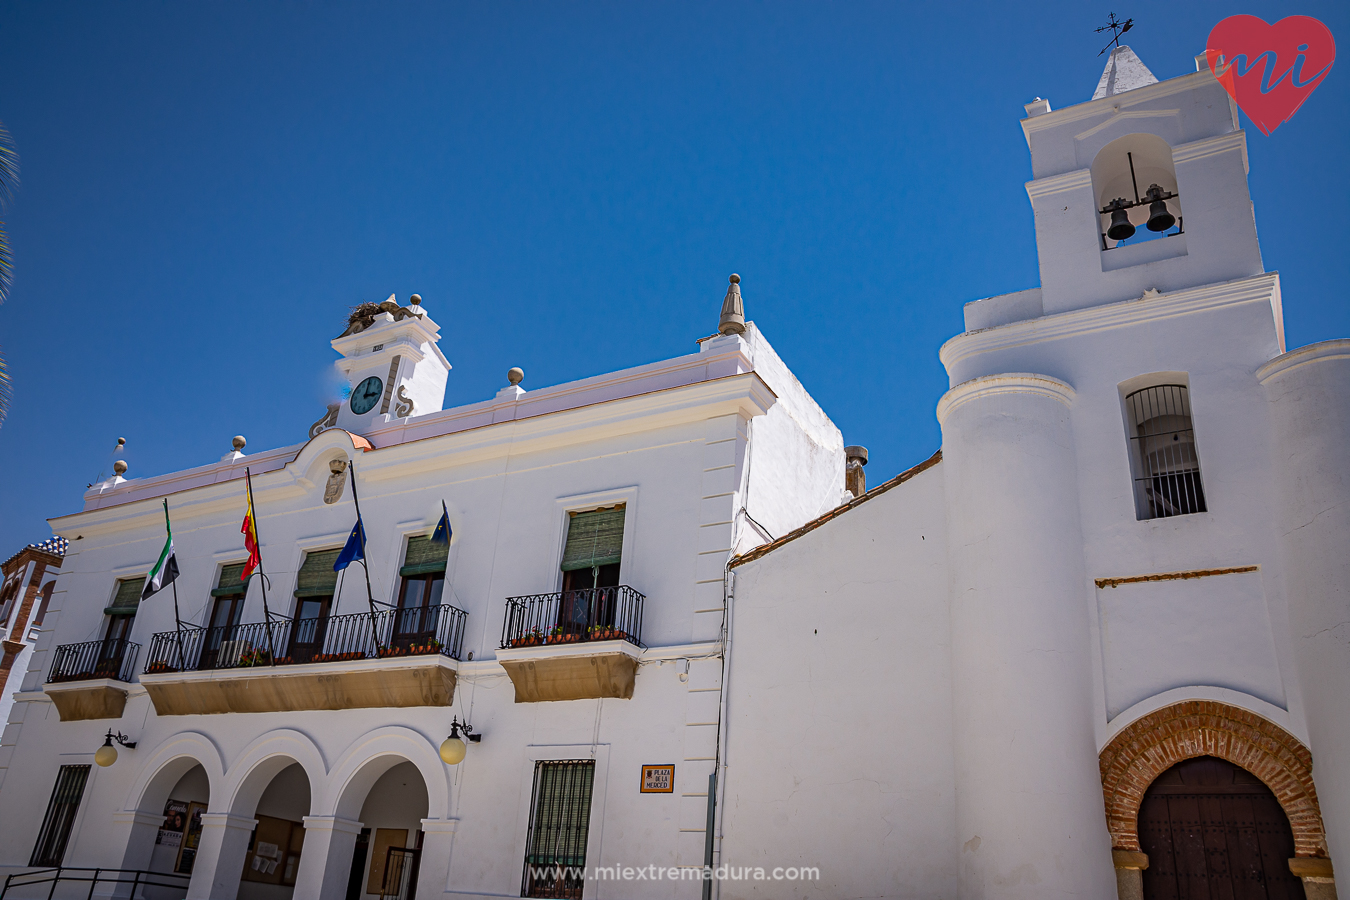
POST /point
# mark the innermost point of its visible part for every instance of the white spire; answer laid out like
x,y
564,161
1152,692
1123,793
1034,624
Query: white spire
x,y
1124,71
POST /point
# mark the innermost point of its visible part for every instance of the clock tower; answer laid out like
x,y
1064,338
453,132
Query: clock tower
x,y
392,366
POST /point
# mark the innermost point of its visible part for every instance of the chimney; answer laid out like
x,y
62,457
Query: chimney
x,y
855,480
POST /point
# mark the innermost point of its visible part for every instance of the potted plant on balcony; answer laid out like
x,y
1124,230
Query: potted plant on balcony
x,y
532,638
255,657
159,667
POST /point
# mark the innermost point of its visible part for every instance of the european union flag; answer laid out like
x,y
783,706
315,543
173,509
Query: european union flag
x,y
354,549
442,533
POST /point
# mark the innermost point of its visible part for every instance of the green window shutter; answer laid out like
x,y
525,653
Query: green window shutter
x,y
316,577
561,814
594,539
424,557
230,582
127,598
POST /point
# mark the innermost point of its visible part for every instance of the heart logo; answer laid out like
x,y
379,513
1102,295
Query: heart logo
x,y
1269,70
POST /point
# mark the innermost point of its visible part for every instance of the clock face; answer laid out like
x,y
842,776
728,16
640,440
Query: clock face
x,y
366,395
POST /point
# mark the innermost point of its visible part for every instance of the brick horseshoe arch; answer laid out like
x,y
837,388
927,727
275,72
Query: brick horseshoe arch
x,y
1160,740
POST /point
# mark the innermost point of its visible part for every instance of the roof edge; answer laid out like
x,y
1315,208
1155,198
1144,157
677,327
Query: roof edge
x,y
765,549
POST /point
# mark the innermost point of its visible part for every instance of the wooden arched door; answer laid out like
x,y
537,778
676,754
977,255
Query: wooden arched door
x,y
1213,830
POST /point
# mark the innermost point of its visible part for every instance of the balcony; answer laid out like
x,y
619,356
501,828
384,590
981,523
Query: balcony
x,y
573,645
390,658
89,680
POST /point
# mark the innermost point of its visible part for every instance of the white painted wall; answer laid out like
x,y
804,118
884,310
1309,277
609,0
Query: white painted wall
x,y
674,441
1309,392
838,723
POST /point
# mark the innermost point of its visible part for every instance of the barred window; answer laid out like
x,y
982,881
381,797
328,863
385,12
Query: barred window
x,y
55,832
1162,442
560,815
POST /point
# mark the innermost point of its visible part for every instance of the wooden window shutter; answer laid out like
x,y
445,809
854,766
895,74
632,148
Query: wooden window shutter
x,y
127,598
230,582
594,539
316,577
424,557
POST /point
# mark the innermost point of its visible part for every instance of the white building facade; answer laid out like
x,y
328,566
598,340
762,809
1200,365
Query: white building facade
x,y
1115,596
1098,645
284,755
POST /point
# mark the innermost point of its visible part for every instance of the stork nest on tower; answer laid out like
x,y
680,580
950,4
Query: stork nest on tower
x,y
363,315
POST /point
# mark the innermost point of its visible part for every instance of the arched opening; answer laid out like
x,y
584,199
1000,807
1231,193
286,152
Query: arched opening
x,y
1134,184
1162,452
179,837
1210,828
391,797
272,857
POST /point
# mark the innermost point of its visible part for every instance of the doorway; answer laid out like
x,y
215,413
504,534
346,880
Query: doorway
x,y
1213,829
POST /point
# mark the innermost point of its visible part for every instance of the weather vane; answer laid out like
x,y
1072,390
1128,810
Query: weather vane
x,y
1117,28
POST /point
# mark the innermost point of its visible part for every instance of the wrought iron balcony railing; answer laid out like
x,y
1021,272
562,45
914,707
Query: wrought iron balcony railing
x,y
569,617
387,633
114,659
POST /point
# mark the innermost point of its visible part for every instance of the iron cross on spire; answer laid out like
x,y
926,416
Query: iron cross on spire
x,y
1117,28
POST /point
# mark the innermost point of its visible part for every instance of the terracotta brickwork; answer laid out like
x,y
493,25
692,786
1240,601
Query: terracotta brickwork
x,y
1160,740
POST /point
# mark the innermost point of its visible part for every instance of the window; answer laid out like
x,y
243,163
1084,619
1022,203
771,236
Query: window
x,y
7,601
227,609
46,600
128,597
560,817
120,617
591,560
55,831
420,591
1166,465
315,585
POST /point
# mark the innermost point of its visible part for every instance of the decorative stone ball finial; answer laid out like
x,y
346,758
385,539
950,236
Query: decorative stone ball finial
x,y
733,310
239,443
120,467
515,375
415,299
121,442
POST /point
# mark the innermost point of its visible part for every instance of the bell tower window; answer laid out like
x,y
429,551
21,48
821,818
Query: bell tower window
x,y
1162,445
1135,186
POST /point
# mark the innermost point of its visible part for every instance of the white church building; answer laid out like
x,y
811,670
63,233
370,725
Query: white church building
x,y
1097,646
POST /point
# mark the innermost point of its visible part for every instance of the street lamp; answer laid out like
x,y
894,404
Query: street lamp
x,y
453,748
107,754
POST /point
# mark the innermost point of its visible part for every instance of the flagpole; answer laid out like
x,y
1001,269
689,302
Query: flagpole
x,y
177,619
361,530
267,612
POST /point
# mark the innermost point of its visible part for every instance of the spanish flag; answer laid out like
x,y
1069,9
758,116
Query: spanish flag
x,y
250,532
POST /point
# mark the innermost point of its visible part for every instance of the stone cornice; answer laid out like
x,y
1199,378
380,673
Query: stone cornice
x,y
1011,383
1259,288
1106,105
138,503
1287,362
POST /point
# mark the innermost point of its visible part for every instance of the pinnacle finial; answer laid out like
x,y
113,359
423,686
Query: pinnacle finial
x,y
733,309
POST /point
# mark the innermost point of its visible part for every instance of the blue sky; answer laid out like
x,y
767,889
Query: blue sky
x,y
207,188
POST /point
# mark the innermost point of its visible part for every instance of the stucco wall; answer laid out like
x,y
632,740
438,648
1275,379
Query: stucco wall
x,y
839,728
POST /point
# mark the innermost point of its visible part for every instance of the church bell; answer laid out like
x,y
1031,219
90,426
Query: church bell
x,y
1159,219
1120,229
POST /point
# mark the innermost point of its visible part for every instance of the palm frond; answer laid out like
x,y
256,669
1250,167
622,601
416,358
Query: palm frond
x,y
9,167
5,392
9,179
6,265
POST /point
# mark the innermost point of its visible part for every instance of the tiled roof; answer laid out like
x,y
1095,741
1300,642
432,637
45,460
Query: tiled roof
x,y
57,546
